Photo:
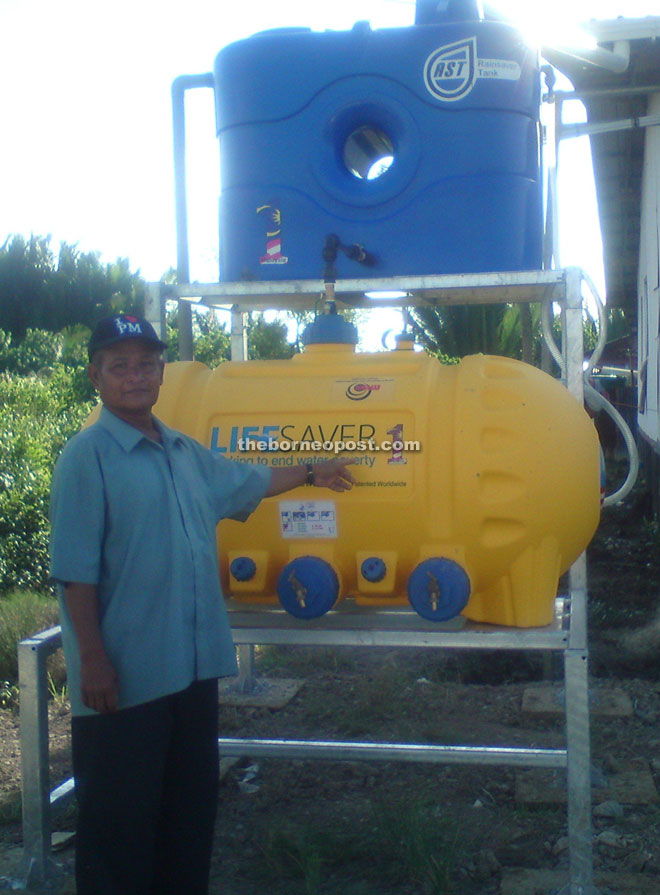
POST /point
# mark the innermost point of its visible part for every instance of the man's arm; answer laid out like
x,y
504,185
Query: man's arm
x,y
330,474
99,684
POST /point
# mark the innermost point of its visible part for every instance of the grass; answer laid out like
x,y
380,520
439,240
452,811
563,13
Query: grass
x,y
57,689
420,843
376,700
444,666
296,660
296,853
489,667
11,809
22,613
398,844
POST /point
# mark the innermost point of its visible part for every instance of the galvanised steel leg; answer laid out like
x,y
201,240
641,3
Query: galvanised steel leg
x,y
154,309
246,682
579,772
38,865
239,347
578,740
576,656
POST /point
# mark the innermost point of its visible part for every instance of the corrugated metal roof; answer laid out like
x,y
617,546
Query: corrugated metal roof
x,y
618,157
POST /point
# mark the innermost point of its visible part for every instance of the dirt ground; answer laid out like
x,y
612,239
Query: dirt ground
x,y
380,828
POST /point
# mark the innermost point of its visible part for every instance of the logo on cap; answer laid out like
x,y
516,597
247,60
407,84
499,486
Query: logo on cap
x,y
128,325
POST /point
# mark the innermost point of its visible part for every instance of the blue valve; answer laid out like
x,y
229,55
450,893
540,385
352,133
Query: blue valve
x,y
438,589
308,587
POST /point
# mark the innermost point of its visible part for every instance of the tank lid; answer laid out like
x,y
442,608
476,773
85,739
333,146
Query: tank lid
x,y
277,32
434,12
330,328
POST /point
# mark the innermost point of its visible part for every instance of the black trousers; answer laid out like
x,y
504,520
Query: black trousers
x,y
147,790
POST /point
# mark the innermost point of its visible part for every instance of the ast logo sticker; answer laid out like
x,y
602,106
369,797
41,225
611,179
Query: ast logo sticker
x,y
450,72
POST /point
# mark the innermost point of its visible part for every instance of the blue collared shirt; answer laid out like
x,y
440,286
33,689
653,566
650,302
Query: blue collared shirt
x,y
138,518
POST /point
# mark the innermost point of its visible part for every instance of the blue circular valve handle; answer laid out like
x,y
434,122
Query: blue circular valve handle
x,y
243,568
373,569
308,587
438,589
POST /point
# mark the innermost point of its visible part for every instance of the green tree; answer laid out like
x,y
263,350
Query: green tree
x,y
519,333
25,271
211,341
267,340
38,291
455,331
509,330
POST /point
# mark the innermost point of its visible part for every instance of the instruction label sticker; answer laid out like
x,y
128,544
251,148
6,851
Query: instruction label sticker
x,y
308,519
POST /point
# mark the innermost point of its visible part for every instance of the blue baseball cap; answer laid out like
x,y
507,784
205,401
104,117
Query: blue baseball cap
x,y
121,327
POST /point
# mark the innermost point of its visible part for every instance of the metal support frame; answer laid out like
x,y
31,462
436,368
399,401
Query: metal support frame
x,y
353,626
570,630
38,865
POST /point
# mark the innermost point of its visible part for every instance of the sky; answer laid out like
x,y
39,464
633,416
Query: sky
x,y
86,147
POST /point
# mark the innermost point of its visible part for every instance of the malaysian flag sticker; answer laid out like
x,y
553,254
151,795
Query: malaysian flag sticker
x,y
273,236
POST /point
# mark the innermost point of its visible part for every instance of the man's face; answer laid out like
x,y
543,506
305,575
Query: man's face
x,y
128,376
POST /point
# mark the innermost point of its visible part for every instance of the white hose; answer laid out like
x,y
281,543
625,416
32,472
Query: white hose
x,y
594,399
602,326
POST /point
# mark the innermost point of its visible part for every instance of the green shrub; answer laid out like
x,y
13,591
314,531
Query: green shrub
x,y
36,350
22,613
38,414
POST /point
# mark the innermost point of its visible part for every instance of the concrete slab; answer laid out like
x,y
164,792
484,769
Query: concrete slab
x,y
633,786
548,702
60,841
267,693
552,882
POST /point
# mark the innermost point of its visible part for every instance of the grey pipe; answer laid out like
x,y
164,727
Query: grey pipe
x,y
179,87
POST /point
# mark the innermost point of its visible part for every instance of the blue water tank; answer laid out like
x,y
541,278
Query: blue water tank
x,y
307,121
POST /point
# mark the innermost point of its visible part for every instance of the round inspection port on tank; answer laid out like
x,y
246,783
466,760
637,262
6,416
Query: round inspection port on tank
x,y
368,152
373,569
243,568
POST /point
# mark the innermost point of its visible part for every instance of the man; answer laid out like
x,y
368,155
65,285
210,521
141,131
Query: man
x,y
134,511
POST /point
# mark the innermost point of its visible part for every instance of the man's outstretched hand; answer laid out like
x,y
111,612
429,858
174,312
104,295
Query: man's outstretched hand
x,y
333,474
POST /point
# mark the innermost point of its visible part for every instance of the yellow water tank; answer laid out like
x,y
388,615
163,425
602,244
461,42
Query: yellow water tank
x,y
477,484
